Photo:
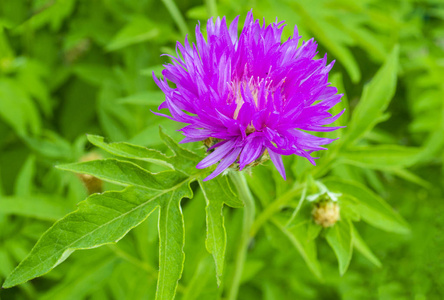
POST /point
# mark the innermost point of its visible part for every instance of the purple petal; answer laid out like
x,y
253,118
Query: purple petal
x,y
251,151
277,161
220,152
225,163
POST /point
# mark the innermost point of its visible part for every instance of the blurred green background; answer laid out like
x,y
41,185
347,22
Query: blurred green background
x,y
71,67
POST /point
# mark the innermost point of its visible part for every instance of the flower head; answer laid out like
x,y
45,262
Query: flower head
x,y
249,93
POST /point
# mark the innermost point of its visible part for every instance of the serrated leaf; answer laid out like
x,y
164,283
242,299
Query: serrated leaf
x,y
216,193
379,156
372,208
375,99
172,240
339,237
101,219
362,247
183,160
125,173
106,218
186,159
131,151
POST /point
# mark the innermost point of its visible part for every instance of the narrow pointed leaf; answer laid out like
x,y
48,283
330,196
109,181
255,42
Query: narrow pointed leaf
x,y
410,176
36,206
298,237
144,98
372,208
362,247
375,99
380,156
339,237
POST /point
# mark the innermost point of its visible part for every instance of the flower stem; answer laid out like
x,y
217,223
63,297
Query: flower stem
x,y
273,208
248,219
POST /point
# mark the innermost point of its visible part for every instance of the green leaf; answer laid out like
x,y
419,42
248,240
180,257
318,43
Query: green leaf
x,y
172,240
299,238
131,151
216,193
176,15
106,218
138,30
94,74
409,176
379,157
339,237
372,208
125,173
50,145
200,279
17,109
362,247
338,82
116,119
183,160
144,98
35,206
7,265
24,183
83,277
329,36
375,99
101,219
53,15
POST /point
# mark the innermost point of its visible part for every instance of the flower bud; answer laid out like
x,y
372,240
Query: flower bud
x,y
92,184
326,213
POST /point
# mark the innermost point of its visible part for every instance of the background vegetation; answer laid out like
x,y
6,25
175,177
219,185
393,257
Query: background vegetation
x,y
71,67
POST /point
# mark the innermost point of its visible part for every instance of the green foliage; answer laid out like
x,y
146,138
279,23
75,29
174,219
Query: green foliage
x,y
153,228
340,239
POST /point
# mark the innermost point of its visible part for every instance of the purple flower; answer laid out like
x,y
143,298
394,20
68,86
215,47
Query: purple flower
x,y
249,93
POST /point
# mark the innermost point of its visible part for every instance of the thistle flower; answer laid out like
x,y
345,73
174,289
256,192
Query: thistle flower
x,y
250,93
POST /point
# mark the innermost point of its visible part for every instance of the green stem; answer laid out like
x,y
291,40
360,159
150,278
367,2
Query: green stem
x,y
248,219
273,208
298,208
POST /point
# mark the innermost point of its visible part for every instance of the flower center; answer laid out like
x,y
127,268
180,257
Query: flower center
x,y
253,85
